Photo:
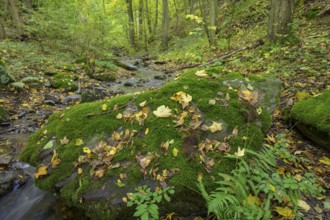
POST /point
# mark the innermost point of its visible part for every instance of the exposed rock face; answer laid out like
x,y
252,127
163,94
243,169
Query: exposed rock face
x,y
312,117
105,149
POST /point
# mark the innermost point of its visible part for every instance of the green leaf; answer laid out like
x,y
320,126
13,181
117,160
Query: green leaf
x,y
48,145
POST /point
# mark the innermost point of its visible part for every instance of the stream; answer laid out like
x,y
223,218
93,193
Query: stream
x,y
26,201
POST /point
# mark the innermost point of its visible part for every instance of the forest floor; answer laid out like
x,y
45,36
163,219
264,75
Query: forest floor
x,y
303,69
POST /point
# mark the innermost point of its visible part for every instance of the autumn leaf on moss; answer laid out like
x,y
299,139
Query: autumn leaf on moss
x,y
79,142
86,150
142,104
302,204
104,107
144,161
285,212
80,170
183,98
248,96
175,152
201,73
55,159
49,145
163,112
42,171
215,127
64,141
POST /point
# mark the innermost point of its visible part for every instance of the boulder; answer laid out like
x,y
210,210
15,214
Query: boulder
x,y
312,118
64,81
160,138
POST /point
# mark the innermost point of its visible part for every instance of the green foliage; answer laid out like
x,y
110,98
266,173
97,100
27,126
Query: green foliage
x,y
19,85
238,195
5,75
146,201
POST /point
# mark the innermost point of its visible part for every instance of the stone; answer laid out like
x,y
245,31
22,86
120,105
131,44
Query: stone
x,y
104,179
11,179
312,117
4,116
71,99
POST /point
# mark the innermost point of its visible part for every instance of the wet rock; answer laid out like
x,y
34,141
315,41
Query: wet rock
x,y
49,102
160,77
129,83
90,95
71,99
52,98
4,116
160,62
21,114
12,179
5,161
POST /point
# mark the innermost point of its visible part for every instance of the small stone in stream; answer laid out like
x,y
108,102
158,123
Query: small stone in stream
x,y
159,62
53,98
49,102
71,99
160,77
129,83
118,92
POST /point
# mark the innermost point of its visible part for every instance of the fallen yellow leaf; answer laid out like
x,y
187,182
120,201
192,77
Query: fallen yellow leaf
x,y
55,160
163,112
201,73
325,160
42,171
302,204
119,116
79,142
64,141
104,107
215,127
175,152
80,170
240,152
285,212
86,150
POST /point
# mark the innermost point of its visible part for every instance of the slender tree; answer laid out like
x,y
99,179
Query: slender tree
x,y
280,19
211,26
165,25
131,32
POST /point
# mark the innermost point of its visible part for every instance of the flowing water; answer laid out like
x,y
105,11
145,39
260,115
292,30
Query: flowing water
x,y
27,202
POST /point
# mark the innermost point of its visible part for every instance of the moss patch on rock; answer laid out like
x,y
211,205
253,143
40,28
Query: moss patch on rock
x,y
312,117
3,115
63,81
126,145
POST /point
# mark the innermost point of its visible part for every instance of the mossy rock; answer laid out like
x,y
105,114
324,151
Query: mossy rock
x,y
4,116
64,81
104,76
312,117
131,145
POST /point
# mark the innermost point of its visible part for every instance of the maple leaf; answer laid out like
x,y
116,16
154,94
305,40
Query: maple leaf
x,y
240,152
201,73
55,161
42,171
163,112
183,98
64,141
249,96
215,127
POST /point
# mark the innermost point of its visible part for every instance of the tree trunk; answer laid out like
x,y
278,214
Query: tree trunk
x,y
147,15
211,26
131,34
165,25
156,17
2,29
13,9
140,24
280,19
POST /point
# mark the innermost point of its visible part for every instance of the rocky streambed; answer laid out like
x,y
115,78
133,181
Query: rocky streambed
x,y
24,111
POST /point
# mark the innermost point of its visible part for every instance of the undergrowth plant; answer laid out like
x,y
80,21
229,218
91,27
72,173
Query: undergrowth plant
x,y
146,201
256,183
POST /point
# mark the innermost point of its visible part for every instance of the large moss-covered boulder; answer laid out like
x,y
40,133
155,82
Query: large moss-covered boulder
x,y
93,154
64,81
312,117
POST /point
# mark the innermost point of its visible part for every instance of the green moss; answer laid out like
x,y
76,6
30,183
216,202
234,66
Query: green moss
x,y
314,111
92,124
64,81
3,115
